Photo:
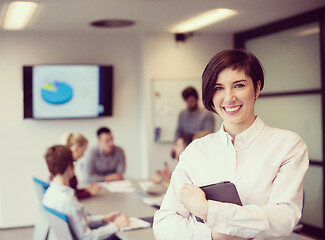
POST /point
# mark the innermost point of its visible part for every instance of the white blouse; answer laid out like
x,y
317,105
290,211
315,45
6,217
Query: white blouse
x,y
266,164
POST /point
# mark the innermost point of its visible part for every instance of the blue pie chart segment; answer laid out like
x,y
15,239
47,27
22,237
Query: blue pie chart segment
x,y
56,92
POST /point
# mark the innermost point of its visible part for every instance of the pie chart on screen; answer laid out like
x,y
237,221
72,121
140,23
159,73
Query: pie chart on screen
x,y
56,92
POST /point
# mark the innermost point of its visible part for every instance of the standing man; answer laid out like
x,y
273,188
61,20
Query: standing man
x,y
194,118
105,162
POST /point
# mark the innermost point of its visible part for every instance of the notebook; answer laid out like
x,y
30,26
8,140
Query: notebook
x,y
222,192
154,201
136,223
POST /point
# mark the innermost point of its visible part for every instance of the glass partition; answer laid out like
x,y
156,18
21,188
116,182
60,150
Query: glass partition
x,y
301,114
313,207
291,58
291,52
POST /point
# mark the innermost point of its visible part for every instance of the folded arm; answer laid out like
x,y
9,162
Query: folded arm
x,y
275,219
173,221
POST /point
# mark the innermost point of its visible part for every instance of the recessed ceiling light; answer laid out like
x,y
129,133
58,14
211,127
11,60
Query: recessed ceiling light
x,y
18,14
203,20
112,23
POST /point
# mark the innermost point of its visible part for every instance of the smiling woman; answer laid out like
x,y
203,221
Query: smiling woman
x,y
233,92
234,100
266,164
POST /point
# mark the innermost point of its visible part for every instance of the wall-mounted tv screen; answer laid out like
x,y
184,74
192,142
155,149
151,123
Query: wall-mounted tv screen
x,y
67,91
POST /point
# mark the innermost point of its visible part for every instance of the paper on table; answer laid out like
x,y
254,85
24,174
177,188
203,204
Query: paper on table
x,y
136,223
118,186
152,188
145,185
153,201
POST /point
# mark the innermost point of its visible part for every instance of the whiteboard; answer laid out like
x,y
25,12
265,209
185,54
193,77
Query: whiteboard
x,y
168,102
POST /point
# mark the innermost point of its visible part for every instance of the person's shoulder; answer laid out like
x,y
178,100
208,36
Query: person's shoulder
x,y
197,149
279,131
207,139
183,112
94,149
282,135
118,149
47,194
58,193
62,199
202,144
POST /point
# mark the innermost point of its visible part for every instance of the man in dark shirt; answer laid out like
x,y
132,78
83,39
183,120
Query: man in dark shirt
x,y
105,162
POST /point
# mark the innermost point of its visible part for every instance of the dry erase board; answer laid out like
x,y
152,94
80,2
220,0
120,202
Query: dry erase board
x,y
167,103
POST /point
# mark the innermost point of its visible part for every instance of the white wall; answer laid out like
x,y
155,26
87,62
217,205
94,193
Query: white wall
x,y
164,58
23,142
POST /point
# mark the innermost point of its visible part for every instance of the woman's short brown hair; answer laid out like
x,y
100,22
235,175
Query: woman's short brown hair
x,y
58,159
234,59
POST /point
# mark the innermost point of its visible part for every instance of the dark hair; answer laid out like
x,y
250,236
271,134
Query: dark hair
x,y
187,138
58,158
188,92
103,130
233,59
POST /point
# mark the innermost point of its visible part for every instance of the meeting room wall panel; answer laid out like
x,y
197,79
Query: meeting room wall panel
x,y
293,98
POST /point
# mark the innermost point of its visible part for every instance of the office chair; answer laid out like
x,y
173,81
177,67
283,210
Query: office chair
x,y
40,188
42,225
59,225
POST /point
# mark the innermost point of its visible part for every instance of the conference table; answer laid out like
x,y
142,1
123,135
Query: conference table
x,y
131,204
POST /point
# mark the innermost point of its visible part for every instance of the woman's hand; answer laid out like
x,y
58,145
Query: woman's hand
x,y
156,179
166,173
219,236
193,199
93,188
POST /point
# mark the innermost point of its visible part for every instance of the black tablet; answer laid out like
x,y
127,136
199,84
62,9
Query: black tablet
x,y
222,192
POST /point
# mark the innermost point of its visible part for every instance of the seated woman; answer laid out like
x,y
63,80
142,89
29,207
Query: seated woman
x,y
163,176
60,197
77,143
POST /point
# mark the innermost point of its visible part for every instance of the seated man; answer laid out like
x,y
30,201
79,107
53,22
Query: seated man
x,y
61,197
105,162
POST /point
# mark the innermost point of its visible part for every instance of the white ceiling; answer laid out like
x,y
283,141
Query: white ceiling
x,y
158,15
